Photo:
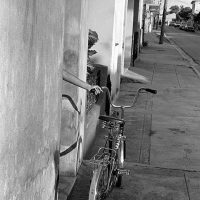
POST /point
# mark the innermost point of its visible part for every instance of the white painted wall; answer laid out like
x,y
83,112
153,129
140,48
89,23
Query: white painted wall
x,y
31,49
117,64
109,22
75,51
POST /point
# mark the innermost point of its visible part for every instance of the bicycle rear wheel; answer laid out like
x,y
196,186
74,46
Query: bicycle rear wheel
x,y
99,183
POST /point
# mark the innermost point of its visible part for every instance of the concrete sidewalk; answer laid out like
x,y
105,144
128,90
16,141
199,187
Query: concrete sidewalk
x,y
163,138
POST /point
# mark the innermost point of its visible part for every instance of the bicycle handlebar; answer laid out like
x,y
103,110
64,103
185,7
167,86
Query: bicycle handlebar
x,y
134,100
151,90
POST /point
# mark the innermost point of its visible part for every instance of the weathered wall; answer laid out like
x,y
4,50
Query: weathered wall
x,y
75,61
31,49
140,21
129,33
117,61
122,33
133,38
148,19
136,22
136,30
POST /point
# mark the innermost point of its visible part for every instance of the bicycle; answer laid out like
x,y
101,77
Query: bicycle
x,y
108,162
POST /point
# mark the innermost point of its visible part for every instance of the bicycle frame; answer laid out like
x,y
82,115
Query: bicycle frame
x,y
117,141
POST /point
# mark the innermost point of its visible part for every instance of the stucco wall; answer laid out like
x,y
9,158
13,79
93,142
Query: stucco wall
x,y
117,62
31,49
129,33
149,19
136,30
141,12
108,22
133,38
101,20
75,61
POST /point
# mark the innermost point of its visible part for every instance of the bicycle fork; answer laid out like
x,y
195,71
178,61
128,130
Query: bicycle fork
x,y
118,146
121,148
122,155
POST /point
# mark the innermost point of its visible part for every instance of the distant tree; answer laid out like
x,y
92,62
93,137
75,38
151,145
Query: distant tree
x,y
181,7
185,13
174,9
197,18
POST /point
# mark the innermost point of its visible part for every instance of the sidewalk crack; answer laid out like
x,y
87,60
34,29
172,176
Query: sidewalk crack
x,y
186,183
177,77
152,78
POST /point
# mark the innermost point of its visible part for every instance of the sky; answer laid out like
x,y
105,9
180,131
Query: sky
x,y
185,3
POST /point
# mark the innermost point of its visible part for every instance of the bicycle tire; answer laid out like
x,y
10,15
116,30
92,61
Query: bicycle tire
x,y
97,190
119,181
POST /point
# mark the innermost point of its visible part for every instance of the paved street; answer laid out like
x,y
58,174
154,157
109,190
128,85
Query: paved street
x,y
188,41
163,140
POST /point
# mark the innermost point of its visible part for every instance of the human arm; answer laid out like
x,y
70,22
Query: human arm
x,y
67,76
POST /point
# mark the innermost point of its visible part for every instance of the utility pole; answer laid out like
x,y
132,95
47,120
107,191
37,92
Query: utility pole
x,y
163,22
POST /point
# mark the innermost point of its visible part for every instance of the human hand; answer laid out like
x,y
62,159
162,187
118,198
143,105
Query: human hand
x,y
96,89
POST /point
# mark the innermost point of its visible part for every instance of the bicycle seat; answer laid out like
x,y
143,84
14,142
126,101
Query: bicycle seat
x,y
111,119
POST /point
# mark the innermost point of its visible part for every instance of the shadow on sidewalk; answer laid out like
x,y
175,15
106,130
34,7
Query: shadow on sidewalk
x,y
162,131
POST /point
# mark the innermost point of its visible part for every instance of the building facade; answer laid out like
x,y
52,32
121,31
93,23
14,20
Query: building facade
x,y
151,16
38,40
195,6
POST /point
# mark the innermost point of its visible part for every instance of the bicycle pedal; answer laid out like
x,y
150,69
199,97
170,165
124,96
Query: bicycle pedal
x,y
124,171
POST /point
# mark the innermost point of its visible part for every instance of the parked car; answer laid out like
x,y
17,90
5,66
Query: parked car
x,y
177,24
189,28
196,27
182,25
171,23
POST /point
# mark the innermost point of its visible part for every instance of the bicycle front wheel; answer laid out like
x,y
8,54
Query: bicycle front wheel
x,y
99,183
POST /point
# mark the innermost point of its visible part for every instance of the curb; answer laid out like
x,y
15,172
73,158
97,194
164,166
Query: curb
x,y
65,187
196,71
185,56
